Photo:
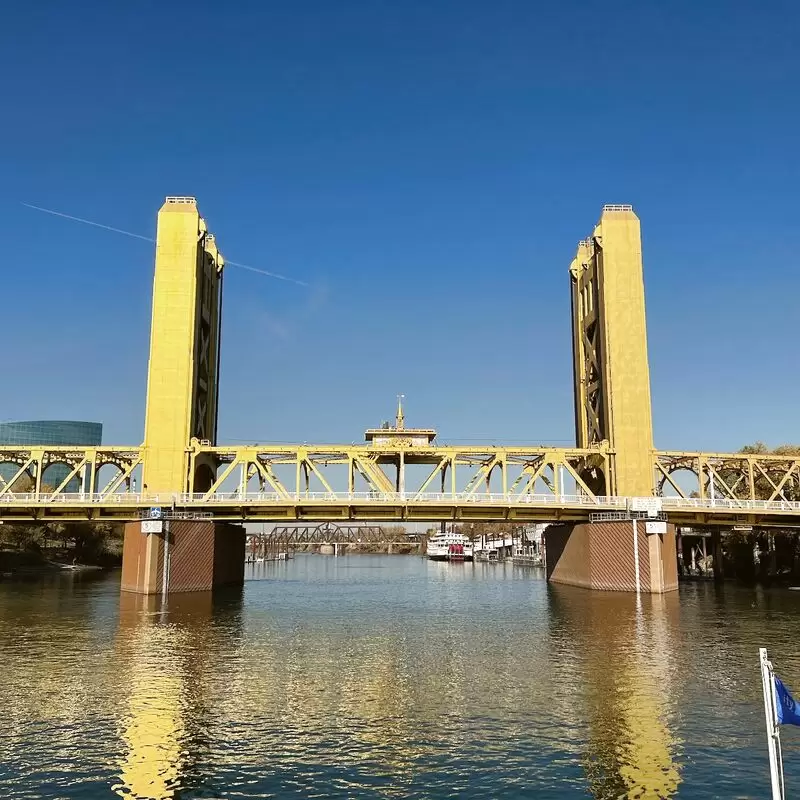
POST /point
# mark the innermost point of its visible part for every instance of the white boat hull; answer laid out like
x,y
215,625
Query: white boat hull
x,y
449,547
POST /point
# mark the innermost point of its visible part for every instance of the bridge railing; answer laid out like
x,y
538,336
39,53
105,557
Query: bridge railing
x,y
256,498
728,504
87,498
197,501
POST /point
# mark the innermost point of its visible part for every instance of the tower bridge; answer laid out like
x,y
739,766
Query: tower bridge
x,y
400,473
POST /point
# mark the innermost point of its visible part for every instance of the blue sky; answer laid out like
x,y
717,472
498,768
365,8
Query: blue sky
x,y
429,168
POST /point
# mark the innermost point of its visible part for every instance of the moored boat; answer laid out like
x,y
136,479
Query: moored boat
x,y
449,546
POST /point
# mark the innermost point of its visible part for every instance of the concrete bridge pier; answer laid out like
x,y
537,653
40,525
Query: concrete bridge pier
x,y
619,556
188,556
717,560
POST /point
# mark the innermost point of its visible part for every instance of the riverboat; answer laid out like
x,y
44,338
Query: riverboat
x,y
449,546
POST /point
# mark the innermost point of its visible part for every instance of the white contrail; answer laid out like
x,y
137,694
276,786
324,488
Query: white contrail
x,y
88,222
150,239
264,272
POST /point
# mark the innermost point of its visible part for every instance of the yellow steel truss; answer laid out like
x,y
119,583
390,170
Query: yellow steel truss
x,y
368,482
455,472
25,469
728,476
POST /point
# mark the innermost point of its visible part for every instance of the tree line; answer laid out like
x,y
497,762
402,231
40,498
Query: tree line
x,y
80,541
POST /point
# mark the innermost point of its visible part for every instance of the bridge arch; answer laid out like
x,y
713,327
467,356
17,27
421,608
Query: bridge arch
x,y
55,472
680,480
204,478
10,474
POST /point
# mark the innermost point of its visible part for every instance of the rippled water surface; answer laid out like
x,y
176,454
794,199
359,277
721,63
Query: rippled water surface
x,y
389,677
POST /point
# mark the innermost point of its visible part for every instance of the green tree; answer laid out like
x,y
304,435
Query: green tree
x,y
765,484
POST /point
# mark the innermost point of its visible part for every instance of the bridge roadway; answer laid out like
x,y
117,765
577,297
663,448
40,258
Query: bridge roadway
x,y
392,506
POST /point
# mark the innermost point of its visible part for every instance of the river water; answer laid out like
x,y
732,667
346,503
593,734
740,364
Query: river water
x,y
389,677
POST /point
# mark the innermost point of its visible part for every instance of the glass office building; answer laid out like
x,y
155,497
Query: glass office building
x,y
49,432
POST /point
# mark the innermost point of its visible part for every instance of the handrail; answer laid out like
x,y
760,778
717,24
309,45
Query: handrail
x,y
197,500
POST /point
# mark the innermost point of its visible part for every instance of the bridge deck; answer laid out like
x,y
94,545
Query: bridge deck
x,y
392,506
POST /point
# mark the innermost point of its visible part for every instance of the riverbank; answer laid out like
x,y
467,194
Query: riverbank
x,y
24,562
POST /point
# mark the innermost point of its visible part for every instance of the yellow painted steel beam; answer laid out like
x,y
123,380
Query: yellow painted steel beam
x,y
609,339
737,476
421,511
366,506
765,457
32,464
183,372
734,475
415,455
383,468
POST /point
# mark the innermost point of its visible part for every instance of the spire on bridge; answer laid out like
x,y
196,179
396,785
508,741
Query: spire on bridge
x,y
398,434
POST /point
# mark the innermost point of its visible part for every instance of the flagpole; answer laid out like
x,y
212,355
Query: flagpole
x,y
778,745
773,732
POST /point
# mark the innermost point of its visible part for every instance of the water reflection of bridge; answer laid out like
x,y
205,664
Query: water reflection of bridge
x,y
631,749
285,694
206,689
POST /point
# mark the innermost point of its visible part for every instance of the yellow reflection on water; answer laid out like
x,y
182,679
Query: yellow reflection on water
x,y
623,645
156,653
198,693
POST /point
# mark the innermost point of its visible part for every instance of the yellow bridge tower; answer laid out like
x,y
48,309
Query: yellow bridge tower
x,y
609,336
183,373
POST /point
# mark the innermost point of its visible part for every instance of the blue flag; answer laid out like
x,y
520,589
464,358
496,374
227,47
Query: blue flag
x,y
788,708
